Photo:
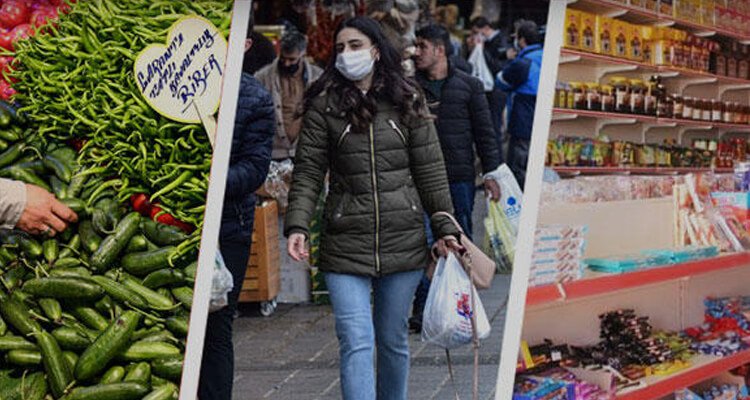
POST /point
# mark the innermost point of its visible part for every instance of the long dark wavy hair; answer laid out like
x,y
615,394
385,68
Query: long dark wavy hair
x,y
389,82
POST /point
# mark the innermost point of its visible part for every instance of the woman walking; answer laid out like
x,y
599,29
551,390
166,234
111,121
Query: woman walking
x,y
366,124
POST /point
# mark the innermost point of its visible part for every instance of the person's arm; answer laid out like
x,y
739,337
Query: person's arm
x,y
482,129
12,202
310,168
514,74
428,171
257,127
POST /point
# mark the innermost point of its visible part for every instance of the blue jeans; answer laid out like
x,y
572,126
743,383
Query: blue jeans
x,y
359,327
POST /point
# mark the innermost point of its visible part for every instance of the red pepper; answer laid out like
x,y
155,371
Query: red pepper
x,y
140,203
168,219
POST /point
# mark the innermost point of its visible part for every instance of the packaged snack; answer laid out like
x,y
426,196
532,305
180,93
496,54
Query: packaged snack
x,y
604,42
622,38
635,42
572,29
588,31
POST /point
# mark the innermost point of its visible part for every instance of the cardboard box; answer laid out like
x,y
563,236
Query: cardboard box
x,y
635,45
572,29
605,35
647,34
588,32
621,39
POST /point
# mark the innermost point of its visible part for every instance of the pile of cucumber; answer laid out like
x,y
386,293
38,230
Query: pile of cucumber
x,y
99,311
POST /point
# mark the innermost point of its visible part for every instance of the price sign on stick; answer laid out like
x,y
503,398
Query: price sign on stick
x,y
181,78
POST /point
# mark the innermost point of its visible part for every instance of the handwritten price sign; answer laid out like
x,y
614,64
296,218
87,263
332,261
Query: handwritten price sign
x,y
181,79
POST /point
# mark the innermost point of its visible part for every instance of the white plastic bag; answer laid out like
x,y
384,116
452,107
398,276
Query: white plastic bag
x,y
480,69
510,193
221,284
447,314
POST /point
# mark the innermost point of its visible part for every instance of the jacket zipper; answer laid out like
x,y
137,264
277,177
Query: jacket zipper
x,y
396,128
375,198
343,134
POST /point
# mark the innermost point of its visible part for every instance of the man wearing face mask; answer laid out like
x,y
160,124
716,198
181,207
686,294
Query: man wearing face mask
x,y
287,78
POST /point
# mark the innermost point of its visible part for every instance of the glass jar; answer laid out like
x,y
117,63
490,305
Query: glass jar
x,y
716,110
727,116
622,94
561,99
649,100
697,109
578,93
687,108
664,106
637,96
738,113
607,98
593,97
678,105
706,110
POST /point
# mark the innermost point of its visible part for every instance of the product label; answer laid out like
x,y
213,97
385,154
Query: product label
x,y
185,74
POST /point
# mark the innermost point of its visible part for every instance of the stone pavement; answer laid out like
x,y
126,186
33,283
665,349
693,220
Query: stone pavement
x,y
293,354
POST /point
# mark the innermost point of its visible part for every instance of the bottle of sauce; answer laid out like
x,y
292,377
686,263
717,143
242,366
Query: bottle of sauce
x,y
637,96
622,94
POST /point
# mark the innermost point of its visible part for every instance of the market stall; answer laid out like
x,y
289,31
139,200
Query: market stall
x,y
638,283
102,309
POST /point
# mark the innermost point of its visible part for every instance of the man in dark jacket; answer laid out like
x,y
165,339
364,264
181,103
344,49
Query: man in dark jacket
x,y
248,166
520,79
463,123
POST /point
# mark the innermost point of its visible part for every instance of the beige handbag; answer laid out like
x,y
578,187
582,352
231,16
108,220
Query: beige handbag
x,y
481,267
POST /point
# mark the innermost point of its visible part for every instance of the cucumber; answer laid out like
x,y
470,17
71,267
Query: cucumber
x,y
109,391
105,305
145,351
113,244
25,175
164,392
167,368
59,188
11,154
177,325
144,332
29,246
75,273
140,373
143,263
107,346
76,185
17,315
163,234
8,343
157,381
50,250
113,375
163,277
77,205
3,327
71,339
51,308
58,371
90,317
71,248
59,167
155,300
24,358
184,295
13,277
67,262
71,359
63,288
120,292
159,335
137,244
90,240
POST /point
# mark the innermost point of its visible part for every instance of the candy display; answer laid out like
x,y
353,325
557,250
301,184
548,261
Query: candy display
x,y
558,251
715,392
649,259
547,389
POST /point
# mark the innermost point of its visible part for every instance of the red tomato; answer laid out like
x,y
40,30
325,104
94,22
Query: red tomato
x,y
6,92
42,16
21,32
5,40
5,63
13,13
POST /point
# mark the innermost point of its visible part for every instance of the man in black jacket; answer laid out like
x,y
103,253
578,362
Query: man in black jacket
x,y
254,129
463,123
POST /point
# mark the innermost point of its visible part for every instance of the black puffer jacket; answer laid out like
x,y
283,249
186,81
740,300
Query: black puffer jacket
x,y
380,180
463,121
254,128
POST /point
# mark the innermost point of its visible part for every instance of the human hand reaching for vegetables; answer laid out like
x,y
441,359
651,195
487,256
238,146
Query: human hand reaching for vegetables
x,y
43,213
297,247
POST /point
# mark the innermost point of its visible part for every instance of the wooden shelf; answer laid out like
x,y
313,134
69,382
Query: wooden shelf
x,y
704,367
643,16
601,283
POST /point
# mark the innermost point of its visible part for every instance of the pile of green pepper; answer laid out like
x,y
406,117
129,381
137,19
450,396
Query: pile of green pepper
x,y
75,81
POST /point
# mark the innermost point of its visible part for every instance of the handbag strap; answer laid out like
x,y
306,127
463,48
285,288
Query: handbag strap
x,y
450,217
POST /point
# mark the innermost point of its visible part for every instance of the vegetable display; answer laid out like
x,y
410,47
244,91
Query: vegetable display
x,y
101,310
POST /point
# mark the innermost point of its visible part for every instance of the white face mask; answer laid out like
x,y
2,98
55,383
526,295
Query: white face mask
x,y
355,65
